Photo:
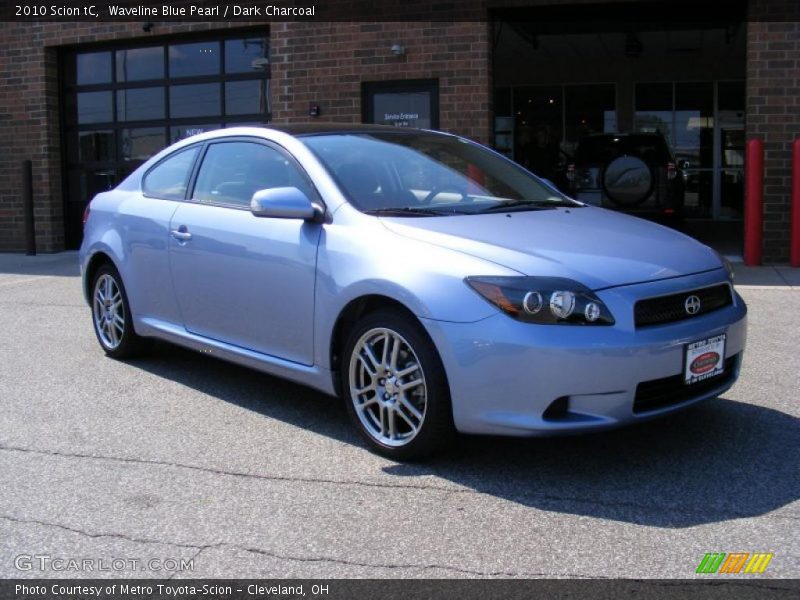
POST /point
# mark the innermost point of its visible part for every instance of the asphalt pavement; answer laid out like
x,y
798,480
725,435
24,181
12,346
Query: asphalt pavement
x,y
179,457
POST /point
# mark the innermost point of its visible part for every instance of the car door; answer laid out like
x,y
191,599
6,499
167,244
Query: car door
x,y
238,278
143,224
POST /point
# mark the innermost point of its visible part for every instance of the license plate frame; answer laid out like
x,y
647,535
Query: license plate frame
x,y
704,359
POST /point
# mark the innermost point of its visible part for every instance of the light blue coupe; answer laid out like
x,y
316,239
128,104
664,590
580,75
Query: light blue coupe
x,y
432,283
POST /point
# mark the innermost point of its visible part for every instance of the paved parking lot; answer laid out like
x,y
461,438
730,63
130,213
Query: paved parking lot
x,y
178,456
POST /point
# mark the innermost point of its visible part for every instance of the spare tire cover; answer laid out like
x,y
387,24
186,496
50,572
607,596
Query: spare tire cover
x,y
628,180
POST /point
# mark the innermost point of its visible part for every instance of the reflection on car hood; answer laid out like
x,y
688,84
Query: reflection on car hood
x,y
599,248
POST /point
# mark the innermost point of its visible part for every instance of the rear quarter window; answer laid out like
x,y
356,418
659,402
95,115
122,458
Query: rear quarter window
x,y
170,177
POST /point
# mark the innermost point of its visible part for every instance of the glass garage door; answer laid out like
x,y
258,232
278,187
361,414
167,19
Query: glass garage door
x,y
122,104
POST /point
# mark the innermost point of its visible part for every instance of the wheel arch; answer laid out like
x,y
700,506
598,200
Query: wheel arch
x,y
97,260
350,315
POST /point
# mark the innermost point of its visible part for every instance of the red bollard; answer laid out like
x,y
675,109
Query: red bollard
x,y
753,201
794,244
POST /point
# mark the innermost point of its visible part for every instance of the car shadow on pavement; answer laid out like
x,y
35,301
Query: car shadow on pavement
x,y
718,461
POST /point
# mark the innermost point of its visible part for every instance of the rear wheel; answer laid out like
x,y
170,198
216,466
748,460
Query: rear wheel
x,y
111,315
395,387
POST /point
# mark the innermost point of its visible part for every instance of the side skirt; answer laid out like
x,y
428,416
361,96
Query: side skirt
x,y
313,376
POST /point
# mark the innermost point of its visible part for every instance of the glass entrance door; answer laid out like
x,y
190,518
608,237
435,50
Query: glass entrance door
x,y
730,150
704,124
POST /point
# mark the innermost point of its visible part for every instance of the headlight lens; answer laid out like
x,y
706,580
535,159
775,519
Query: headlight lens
x,y
727,264
728,267
543,300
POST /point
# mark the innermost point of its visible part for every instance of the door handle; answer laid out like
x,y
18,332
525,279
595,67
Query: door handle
x,y
181,234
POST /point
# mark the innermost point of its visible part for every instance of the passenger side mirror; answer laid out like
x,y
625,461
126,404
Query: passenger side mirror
x,y
285,203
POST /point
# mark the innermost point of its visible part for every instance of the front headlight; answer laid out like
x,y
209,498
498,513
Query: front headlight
x,y
543,300
728,267
727,264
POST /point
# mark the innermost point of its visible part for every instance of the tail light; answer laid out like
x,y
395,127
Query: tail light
x,y
86,214
672,171
571,173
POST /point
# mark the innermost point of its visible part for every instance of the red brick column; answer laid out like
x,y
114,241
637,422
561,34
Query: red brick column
x,y
773,111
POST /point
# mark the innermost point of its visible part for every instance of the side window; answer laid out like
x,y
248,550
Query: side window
x,y
171,176
233,171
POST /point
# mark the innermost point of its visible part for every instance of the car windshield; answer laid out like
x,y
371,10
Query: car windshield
x,y
425,174
605,148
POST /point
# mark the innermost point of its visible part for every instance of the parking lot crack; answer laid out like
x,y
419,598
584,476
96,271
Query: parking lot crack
x,y
217,471
201,548
88,534
389,565
542,499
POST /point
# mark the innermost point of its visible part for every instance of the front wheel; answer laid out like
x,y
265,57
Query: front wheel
x,y
111,315
395,387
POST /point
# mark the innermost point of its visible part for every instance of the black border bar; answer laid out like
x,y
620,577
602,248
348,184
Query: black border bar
x,y
709,587
676,12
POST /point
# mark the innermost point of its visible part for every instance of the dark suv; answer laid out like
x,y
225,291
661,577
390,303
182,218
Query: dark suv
x,y
631,172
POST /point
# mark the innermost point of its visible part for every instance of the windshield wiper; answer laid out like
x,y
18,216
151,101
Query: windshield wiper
x,y
408,211
528,204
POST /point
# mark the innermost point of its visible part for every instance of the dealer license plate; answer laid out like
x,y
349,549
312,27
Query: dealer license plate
x,y
704,359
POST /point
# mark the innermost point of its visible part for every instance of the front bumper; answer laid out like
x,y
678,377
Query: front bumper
x,y
504,374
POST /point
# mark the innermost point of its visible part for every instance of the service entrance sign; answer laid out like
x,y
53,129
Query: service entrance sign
x,y
402,103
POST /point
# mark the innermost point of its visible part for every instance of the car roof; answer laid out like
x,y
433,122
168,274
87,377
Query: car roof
x,y
313,128
300,129
290,130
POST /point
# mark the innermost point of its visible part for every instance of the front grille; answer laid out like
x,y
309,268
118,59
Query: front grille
x,y
668,391
666,309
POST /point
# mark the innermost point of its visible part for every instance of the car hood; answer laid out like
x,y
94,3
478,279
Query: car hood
x,y
599,248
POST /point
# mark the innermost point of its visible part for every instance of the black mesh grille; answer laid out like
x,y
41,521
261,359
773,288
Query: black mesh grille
x,y
665,309
661,393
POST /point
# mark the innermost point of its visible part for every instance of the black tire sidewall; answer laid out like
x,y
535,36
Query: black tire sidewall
x,y
437,428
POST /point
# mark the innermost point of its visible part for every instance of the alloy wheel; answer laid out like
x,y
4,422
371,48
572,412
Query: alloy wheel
x,y
109,311
387,387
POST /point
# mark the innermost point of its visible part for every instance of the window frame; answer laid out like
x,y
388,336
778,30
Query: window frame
x,y
189,196
199,147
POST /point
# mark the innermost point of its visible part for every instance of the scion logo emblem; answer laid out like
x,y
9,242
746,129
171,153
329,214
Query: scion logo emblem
x,y
692,305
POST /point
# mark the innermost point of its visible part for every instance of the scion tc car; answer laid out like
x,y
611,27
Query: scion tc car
x,y
433,284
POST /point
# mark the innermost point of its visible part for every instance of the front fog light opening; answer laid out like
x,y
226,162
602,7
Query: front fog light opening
x,y
557,410
562,304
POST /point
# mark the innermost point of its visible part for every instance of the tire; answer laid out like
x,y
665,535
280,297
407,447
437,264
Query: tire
x,y
111,316
398,400
628,181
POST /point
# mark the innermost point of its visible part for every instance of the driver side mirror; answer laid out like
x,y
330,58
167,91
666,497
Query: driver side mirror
x,y
285,203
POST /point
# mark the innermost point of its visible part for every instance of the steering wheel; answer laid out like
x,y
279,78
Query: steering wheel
x,y
444,188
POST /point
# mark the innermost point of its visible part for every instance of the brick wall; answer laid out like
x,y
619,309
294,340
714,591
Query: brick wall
x,y
773,110
326,63
320,62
